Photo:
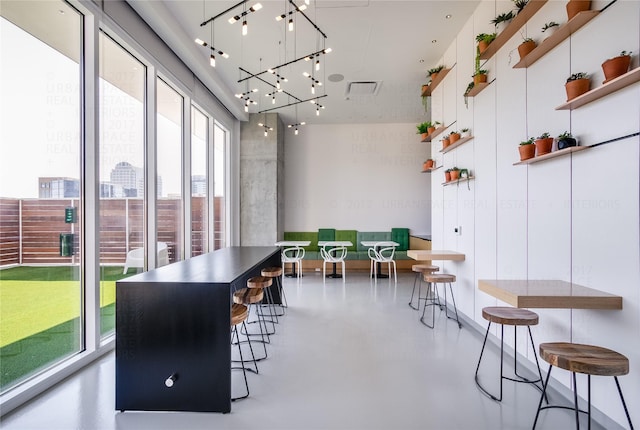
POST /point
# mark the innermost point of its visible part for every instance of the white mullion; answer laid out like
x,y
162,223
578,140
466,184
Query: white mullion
x,y
186,177
151,168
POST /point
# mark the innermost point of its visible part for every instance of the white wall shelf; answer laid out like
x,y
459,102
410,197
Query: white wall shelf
x,y
612,86
551,155
456,144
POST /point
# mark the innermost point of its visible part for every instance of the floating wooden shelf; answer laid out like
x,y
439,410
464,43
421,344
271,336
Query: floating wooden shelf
x,y
436,132
612,86
456,144
477,88
557,37
553,154
458,181
431,170
516,23
441,74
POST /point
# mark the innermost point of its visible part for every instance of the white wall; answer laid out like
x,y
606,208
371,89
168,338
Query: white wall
x,y
571,218
364,177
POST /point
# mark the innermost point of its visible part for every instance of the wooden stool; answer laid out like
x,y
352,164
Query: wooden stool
x,y
250,297
515,317
263,283
420,270
433,280
587,359
276,273
239,314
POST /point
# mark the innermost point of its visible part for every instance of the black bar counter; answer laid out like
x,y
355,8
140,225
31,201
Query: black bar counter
x,y
173,341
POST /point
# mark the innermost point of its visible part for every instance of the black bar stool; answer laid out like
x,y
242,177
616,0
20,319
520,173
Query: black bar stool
x,y
586,359
515,317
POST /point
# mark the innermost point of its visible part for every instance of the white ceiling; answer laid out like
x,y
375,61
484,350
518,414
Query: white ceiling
x,y
371,40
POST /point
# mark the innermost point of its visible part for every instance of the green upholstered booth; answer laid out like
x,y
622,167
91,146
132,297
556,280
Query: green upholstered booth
x,y
325,234
401,236
351,236
311,251
375,236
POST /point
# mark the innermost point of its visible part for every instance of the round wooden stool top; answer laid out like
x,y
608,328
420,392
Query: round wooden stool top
x,y
509,316
259,282
439,277
239,313
424,268
587,359
271,272
248,296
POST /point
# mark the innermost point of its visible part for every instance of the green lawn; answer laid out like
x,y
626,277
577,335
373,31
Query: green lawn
x,y
40,317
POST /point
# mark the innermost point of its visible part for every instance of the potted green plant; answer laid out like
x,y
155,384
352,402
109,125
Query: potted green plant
x,y
616,66
466,93
501,21
566,140
520,4
543,143
484,40
464,174
447,175
480,76
433,73
465,132
527,45
422,129
576,85
454,136
455,173
445,141
549,28
576,6
527,149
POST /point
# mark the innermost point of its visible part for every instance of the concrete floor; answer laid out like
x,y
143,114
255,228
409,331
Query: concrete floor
x,y
346,356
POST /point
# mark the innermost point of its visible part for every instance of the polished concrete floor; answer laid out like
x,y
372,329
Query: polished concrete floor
x,y
346,356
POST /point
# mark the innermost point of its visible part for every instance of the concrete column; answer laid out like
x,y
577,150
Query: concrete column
x,y
261,181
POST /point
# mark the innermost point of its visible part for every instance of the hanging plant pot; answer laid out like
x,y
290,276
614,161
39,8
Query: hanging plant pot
x,y
543,146
576,6
479,78
577,87
615,67
567,142
526,47
527,151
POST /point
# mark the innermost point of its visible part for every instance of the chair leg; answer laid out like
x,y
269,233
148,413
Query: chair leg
x,y
344,273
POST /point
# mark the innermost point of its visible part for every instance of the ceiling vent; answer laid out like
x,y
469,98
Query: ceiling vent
x,y
362,88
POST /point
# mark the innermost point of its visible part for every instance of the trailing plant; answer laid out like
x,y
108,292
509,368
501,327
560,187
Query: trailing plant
x,y
576,76
549,25
466,93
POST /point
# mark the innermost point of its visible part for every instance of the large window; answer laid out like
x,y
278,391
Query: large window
x,y
122,161
40,188
199,181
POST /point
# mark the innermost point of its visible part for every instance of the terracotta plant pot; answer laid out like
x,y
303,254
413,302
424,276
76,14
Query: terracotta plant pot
x,y
447,176
424,136
446,142
526,47
615,67
434,76
424,89
543,146
453,137
576,6
431,130
577,88
428,164
482,46
455,174
477,79
527,151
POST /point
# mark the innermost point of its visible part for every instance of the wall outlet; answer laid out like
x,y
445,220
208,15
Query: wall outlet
x,y
458,230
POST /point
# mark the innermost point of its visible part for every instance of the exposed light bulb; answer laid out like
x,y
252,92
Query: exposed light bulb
x,y
266,133
278,84
201,42
246,108
317,64
307,2
326,51
234,19
245,28
280,17
273,101
317,112
212,60
290,24
256,6
313,89
224,54
296,131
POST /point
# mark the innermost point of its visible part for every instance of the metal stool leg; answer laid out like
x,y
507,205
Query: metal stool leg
x,y
544,391
454,304
244,372
624,404
418,275
429,302
486,335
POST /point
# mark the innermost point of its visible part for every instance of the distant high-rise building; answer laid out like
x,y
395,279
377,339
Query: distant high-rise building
x,y
131,179
199,185
58,188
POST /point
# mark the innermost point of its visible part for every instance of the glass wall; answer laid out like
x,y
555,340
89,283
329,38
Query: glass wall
x,y
40,188
219,145
199,212
169,179
122,161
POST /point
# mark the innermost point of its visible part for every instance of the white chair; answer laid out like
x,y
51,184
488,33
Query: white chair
x,y
294,256
384,255
135,257
336,254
